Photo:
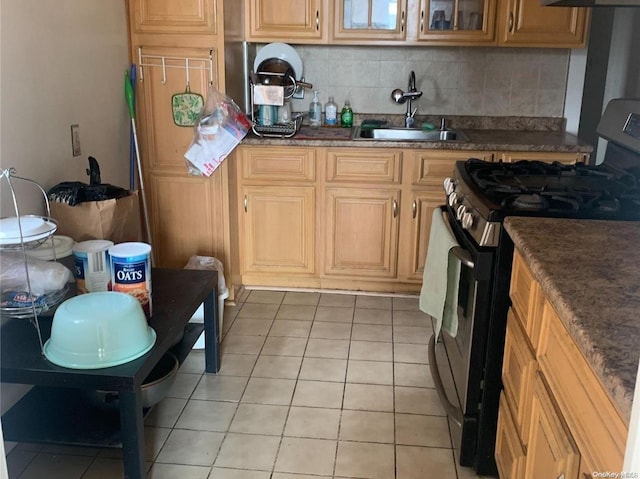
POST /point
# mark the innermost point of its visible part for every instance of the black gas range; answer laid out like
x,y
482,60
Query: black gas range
x,y
466,364
481,194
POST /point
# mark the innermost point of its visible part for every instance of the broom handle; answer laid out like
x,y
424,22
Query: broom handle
x,y
128,91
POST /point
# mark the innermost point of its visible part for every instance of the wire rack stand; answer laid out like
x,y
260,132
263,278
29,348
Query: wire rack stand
x,y
275,130
35,306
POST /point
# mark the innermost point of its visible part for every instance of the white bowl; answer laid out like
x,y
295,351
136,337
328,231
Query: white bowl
x,y
98,330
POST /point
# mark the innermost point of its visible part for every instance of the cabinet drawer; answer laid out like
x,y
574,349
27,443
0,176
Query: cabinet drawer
x,y
526,299
372,165
595,423
433,166
279,163
509,453
518,372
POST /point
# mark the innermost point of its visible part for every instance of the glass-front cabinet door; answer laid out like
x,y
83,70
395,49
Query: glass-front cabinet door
x,y
458,21
370,19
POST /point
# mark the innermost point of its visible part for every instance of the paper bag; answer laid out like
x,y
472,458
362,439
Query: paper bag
x,y
114,220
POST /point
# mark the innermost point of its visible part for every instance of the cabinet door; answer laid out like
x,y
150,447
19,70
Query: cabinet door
x,y
188,217
277,229
163,142
362,232
518,372
568,158
415,230
551,451
286,20
369,20
510,457
527,23
457,22
169,16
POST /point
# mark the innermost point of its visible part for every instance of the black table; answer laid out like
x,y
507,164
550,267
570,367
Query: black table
x,y
57,411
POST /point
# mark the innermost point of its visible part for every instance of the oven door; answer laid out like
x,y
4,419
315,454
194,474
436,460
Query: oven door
x,y
457,362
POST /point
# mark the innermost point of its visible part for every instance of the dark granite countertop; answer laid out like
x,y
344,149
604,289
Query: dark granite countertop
x,y
590,271
485,134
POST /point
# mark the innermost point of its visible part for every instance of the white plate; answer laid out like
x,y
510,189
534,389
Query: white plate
x,y
282,51
33,228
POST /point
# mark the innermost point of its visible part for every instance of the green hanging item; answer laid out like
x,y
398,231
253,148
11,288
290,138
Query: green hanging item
x,y
187,106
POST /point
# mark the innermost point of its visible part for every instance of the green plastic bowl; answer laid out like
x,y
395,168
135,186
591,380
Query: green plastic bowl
x,y
98,330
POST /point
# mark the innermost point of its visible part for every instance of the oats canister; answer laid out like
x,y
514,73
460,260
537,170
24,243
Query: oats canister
x,y
91,265
131,272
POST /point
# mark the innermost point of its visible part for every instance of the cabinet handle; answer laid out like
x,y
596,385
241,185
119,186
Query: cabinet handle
x,y
414,209
245,203
510,22
317,19
402,22
422,21
395,209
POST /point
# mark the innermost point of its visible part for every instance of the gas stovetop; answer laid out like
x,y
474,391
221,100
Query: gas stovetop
x,y
482,194
555,189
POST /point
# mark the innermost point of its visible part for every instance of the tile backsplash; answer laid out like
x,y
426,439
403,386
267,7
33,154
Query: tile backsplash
x,y
454,80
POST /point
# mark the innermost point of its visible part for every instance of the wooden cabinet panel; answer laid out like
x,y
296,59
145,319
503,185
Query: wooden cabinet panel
x,y
286,20
469,22
527,22
372,165
527,299
569,158
598,427
164,142
379,21
416,214
510,457
169,16
279,164
188,217
551,451
518,371
431,167
361,232
277,229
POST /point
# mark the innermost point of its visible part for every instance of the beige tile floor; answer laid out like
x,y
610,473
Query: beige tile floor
x,y
312,385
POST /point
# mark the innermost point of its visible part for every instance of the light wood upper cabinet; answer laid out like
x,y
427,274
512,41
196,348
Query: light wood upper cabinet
x,y
169,16
527,23
375,20
286,20
456,22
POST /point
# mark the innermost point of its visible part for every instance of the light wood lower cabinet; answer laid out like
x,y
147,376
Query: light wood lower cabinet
x,y
278,229
362,232
556,419
551,451
568,158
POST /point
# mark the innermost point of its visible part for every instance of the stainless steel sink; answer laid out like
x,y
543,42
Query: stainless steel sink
x,y
407,134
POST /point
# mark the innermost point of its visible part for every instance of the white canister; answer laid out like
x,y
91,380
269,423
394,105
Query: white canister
x,y
91,265
131,272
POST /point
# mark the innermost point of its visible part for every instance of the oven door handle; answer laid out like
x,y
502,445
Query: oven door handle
x,y
464,256
458,251
452,411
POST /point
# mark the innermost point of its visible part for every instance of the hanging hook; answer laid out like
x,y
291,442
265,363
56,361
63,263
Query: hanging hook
x,y
164,72
186,65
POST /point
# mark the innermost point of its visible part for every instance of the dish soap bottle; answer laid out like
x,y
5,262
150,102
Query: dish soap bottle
x,y
331,113
346,116
315,111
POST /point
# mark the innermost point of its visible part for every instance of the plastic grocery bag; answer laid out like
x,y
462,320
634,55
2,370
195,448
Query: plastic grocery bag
x,y
220,128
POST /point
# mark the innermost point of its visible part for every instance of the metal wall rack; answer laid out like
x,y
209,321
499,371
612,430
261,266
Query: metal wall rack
x,y
23,243
164,62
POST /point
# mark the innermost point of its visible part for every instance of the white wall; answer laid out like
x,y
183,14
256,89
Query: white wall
x,y
63,63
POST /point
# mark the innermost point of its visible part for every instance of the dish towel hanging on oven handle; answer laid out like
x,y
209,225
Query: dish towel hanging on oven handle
x,y
439,292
